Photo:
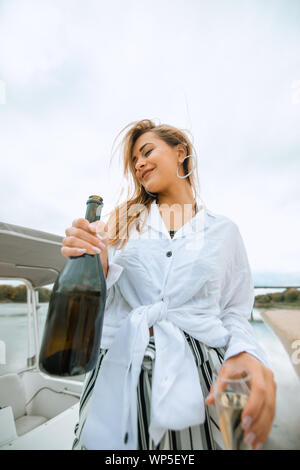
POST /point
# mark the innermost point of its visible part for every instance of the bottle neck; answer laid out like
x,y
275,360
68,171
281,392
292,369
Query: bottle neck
x,y
93,211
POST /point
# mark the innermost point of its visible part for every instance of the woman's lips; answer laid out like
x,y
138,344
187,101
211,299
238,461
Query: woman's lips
x,y
148,173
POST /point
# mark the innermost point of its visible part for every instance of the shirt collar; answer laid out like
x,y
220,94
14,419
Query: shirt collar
x,y
196,224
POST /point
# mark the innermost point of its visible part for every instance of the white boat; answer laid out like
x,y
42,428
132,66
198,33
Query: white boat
x,y
37,411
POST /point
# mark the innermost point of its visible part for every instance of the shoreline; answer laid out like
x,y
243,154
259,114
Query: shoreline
x,y
270,305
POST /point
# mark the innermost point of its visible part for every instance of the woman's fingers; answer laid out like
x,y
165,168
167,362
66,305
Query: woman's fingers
x,y
92,244
76,247
100,228
81,223
256,398
75,236
259,411
97,228
81,238
261,427
67,252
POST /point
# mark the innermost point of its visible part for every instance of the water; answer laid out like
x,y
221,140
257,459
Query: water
x,y
14,334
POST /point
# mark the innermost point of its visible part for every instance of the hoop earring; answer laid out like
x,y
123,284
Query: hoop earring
x,y
194,166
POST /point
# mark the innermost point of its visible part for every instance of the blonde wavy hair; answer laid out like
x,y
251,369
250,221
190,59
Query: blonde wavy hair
x,y
126,214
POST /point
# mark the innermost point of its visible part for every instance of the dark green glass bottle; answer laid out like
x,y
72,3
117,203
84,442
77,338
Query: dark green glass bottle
x,y
73,328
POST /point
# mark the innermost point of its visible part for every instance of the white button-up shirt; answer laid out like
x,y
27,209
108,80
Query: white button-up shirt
x,y
198,282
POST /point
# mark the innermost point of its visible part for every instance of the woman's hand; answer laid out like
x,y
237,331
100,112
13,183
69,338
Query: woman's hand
x,y
85,237
258,413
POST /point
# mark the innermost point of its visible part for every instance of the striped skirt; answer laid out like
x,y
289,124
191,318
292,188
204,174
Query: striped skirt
x,y
206,436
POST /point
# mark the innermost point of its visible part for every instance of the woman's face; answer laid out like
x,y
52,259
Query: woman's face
x,y
152,153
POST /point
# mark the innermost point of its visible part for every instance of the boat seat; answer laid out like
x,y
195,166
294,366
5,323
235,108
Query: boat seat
x,y
12,393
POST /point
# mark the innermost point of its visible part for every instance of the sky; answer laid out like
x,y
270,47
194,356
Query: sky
x,y
73,73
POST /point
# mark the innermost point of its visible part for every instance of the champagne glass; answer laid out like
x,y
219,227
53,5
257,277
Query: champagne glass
x,y
231,391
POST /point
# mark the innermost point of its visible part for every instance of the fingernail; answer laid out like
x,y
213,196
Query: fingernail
x,y
250,438
96,250
246,422
93,227
81,250
258,446
101,245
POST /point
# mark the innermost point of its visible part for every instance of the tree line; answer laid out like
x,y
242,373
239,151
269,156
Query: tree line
x,y
290,296
19,293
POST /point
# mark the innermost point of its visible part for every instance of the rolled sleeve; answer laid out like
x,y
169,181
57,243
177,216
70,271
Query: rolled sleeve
x,y
236,303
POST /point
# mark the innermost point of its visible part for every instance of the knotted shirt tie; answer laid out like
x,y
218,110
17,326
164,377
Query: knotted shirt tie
x,y
177,400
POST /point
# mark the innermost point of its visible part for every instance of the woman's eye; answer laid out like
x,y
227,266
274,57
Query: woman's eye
x,y
145,154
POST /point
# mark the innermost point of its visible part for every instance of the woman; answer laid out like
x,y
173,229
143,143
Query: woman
x,y
179,295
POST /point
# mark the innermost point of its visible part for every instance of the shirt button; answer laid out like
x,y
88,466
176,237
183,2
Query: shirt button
x,y
126,438
169,253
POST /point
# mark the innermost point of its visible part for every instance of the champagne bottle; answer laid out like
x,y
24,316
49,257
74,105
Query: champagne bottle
x,y
73,327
